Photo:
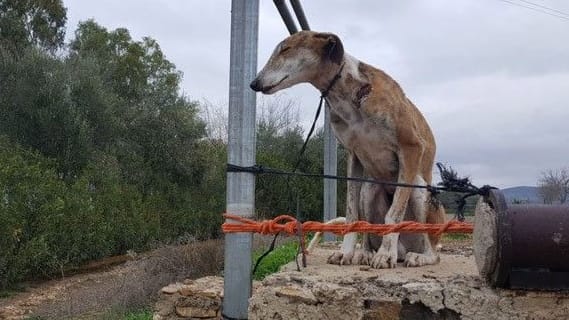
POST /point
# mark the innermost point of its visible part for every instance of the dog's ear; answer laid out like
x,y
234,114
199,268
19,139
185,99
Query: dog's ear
x,y
333,49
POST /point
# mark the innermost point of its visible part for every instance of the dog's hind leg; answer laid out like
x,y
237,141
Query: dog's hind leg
x,y
346,253
420,247
374,204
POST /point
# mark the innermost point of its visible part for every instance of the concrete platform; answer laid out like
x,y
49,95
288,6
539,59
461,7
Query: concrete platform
x,y
450,290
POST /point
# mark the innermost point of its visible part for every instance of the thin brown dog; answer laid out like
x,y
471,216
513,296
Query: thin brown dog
x,y
387,138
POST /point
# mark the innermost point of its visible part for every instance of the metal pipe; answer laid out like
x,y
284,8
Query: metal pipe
x,y
522,246
331,168
285,15
299,12
241,151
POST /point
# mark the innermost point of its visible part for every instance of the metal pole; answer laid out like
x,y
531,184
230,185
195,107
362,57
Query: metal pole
x,y
285,15
331,168
299,12
241,151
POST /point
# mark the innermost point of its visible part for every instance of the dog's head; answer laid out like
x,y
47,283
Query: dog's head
x,y
301,57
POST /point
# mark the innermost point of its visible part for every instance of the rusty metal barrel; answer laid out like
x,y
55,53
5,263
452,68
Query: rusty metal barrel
x,y
522,246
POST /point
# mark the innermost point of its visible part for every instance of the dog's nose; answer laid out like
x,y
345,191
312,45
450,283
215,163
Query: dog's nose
x,y
255,85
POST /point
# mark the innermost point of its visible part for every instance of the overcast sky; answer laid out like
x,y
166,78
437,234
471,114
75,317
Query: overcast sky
x,y
492,78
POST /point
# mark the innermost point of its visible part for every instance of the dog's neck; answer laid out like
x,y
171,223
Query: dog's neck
x,y
348,72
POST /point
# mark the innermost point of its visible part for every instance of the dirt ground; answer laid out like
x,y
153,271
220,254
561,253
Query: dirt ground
x,y
134,283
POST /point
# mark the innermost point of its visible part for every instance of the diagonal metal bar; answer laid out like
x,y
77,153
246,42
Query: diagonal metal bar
x,y
299,12
286,16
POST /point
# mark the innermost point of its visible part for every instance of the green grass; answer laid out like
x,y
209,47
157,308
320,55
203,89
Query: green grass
x,y
457,236
280,256
138,315
143,314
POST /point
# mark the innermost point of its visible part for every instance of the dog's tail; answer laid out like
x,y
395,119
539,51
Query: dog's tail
x,y
316,239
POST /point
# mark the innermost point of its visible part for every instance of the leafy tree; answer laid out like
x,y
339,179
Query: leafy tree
x,y
159,127
39,110
554,185
136,70
32,22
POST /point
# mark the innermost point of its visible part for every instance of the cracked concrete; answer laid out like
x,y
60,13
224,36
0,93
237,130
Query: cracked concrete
x,y
451,290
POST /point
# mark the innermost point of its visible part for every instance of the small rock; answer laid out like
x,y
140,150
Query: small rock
x,y
295,294
207,293
365,268
172,288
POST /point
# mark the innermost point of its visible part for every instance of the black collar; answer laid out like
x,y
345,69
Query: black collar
x,y
333,82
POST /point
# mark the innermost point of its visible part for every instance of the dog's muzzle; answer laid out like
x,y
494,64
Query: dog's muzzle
x,y
255,85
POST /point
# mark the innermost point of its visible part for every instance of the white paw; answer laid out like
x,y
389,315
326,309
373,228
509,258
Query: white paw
x,y
341,258
384,259
413,259
362,257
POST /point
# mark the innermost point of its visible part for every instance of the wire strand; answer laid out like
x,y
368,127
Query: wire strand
x,y
536,9
545,7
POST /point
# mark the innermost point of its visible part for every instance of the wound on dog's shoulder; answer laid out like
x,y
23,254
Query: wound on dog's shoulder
x,y
362,93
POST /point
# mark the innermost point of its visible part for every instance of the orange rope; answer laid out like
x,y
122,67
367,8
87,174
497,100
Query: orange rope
x,y
290,225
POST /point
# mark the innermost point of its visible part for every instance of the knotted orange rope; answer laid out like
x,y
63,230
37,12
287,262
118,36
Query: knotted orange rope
x,y
288,224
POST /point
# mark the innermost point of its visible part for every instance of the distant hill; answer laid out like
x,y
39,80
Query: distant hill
x,y
522,193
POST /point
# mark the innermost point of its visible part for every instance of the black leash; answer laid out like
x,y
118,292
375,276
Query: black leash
x,y
261,257
323,96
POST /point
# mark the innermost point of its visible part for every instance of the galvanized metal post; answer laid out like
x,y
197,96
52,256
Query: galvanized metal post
x,y
331,168
241,151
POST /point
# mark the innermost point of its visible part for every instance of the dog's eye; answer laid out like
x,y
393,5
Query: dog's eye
x,y
285,49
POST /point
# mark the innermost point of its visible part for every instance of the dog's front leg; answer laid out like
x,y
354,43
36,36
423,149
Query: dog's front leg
x,y
346,253
409,157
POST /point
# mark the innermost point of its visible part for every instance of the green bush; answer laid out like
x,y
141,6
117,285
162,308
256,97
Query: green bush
x,y
45,225
48,225
29,193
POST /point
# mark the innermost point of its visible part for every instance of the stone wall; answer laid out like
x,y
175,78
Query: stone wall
x,y
450,290
192,299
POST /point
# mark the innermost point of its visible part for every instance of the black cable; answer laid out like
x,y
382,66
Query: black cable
x,y
536,9
271,248
451,182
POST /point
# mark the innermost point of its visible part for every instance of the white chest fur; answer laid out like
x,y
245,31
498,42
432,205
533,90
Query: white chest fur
x,y
371,139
